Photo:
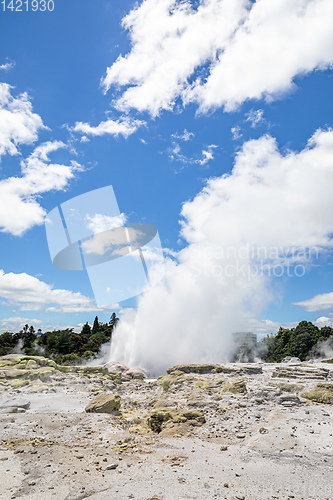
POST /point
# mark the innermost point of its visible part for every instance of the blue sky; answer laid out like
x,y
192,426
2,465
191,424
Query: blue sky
x,y
157,99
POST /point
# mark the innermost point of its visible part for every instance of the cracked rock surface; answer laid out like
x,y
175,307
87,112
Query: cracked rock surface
x,y
232,431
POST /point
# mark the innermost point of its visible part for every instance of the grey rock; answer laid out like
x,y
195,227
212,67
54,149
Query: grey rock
x,y
289,400
301,372
14,406
112,467
104,403
291,359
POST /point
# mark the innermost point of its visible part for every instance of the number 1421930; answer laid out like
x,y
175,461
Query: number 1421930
x,y
26,5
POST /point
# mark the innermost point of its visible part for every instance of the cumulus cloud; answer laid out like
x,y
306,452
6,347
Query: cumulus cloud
x,y
317,303
260,196
124,126
31,294
219,53
19,204
324,321
267,211
18,123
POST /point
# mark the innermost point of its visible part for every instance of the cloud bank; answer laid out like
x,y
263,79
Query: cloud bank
x,y
220,53
317,303
28,293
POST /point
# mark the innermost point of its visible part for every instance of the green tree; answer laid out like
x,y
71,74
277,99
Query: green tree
x,y
95,327
299,341
113,321
86,331
7,342
326,332
28,336
64,344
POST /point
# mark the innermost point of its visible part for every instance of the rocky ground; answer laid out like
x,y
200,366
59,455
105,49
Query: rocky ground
x,y
230,431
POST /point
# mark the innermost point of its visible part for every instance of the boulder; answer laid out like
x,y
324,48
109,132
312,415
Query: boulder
x,y
14,373
291,359
165,403
114,366
43,373
136,373
175,378
158,418
200,402
104,403
289,400
235,387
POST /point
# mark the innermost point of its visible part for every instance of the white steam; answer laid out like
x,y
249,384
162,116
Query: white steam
x,y
102,357
267,212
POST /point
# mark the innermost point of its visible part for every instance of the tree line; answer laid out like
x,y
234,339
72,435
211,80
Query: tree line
x,y
304,341
64,346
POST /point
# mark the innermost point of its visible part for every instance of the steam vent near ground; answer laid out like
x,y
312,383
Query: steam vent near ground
x,y
246,346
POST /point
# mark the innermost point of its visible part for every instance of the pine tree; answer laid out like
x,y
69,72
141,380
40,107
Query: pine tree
x,y
86,331
113,320
64,344
95,327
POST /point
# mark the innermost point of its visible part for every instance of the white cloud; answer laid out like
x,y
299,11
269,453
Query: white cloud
x,y
18,123
266,326
114,243
207,155
317,303
7,66
232,50
259,199
125,126
185,136
19,205
109,234
255,116
176,154
32,294
16,323
323,321
236,133
83,308
269,201
99,222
